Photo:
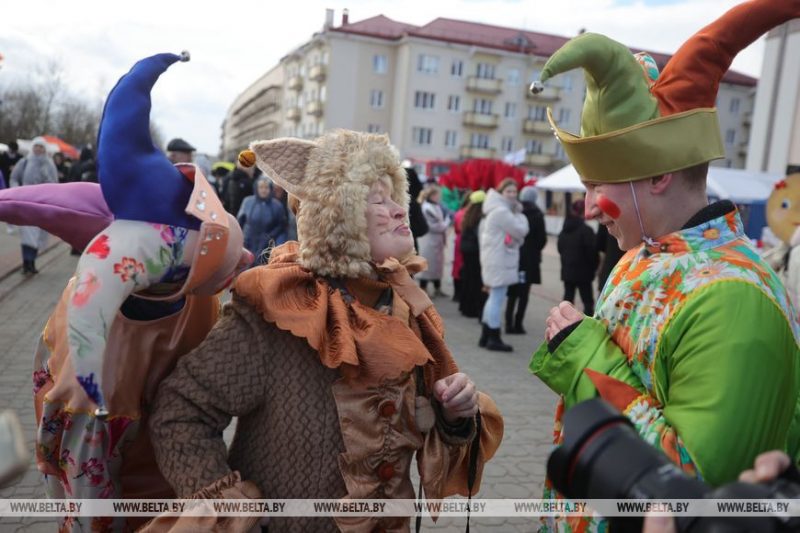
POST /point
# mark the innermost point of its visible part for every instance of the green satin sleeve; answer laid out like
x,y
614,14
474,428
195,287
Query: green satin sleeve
x,y
589,346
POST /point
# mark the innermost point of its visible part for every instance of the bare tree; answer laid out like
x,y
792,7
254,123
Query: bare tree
x,y
43,105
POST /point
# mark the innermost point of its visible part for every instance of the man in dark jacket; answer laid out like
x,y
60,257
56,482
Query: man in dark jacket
x,y
86,168
416,220
9,159
530,260
576,245
236,187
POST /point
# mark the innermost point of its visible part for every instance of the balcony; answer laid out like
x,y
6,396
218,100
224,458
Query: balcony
x,y
531,126
479,120
549,94
315,108
747,119
539,160
484,85
293,113
317,73
475,152
742,149
295,83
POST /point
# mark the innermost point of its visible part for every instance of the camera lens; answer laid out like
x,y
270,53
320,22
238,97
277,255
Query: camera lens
x,y
603,457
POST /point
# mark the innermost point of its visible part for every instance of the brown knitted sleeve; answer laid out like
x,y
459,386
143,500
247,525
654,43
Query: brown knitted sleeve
x,y
223,377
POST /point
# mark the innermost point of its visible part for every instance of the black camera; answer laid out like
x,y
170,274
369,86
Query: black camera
x,y
603,457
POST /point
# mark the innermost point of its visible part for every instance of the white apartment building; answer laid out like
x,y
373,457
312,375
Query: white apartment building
x,y
257,113
775,138
450,90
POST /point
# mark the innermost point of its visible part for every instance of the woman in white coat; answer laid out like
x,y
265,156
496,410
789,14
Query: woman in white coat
x,y
501,233
431,245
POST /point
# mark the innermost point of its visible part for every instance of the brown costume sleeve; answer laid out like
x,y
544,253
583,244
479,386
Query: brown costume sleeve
x,y
221,378
491,435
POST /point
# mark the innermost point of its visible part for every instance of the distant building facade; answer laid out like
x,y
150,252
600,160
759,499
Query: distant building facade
x,y
452,90
775,139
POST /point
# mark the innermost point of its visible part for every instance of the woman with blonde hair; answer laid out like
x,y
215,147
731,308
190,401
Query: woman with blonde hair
x,y
331,356
431,245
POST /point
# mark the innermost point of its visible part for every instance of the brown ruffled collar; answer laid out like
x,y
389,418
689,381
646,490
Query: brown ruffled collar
x,y
364,342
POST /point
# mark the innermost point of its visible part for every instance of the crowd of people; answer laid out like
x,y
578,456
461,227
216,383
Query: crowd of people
x,y
260,206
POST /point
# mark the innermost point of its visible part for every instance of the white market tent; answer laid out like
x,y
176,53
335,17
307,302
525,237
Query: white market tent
x,y
737,185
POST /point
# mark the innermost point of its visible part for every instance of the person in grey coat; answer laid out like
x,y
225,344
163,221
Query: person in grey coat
x,y
36,168
431,245
501,233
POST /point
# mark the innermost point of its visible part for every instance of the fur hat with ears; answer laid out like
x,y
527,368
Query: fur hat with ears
x,y
332,176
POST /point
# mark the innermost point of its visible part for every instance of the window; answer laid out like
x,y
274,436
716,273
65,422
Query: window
x,y
507,144
566,83
563,116
457,68
479,140
734,105
538,112
533,146
511,110
427,64
512,78
486,71
376,98
373,128
728,163
560,152
482,106
450,138
380,64
421,136
454,103
535,75
730,137
424,100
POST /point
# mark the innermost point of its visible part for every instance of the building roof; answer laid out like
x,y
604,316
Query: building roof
x,y
488,36
380,26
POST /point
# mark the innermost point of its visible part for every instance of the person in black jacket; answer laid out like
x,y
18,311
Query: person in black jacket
x,y
530,259
576,245
473,296
236,187
86,167
416,220
610,252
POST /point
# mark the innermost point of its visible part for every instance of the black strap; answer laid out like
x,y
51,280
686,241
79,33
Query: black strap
x,y
472,468
420,375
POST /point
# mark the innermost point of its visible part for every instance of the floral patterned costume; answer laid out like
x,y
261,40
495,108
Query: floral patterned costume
x,y
695,340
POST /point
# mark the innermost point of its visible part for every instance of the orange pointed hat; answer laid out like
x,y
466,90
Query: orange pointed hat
x,y
634,126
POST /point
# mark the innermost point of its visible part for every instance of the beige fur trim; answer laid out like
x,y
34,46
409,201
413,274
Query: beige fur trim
x,y
340,168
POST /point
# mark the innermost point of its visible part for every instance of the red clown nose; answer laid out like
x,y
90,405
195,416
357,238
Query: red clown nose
x,y
608,207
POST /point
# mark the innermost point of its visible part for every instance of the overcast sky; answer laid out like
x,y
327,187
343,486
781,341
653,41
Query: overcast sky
x,y
233,42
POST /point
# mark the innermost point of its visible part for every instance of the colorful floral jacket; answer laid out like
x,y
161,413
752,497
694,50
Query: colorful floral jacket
x,y
695,340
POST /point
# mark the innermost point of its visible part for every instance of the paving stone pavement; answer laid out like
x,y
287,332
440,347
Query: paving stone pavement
x,y
517,470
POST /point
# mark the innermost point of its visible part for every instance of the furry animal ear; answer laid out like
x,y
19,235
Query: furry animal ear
x,y
284,161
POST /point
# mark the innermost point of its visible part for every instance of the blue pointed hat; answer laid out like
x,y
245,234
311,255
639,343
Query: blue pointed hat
x,y
137,179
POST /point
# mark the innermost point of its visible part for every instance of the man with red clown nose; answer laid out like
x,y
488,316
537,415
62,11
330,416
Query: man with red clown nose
x,y
694,337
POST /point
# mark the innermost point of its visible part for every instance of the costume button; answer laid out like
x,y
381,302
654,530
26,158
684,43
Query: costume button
x,y
387,409
386,471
